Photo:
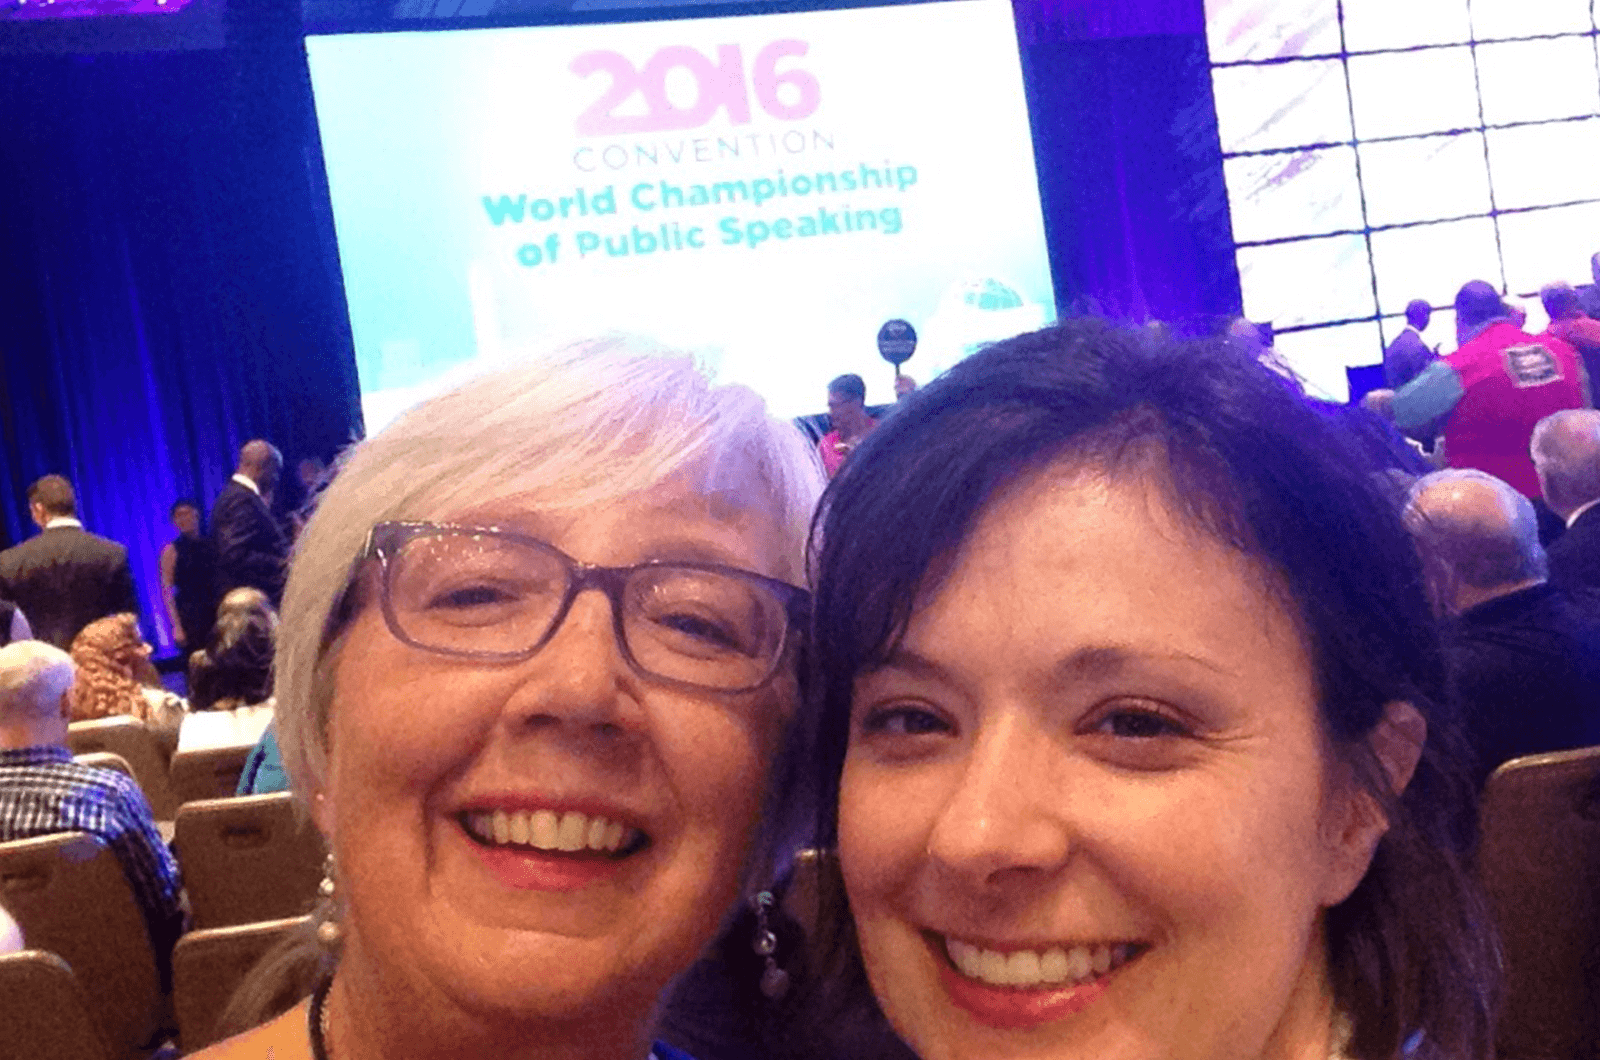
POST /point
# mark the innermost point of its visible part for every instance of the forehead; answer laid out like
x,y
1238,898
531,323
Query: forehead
x,y
1076,556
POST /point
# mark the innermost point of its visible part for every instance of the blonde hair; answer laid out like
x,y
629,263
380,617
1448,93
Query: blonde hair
x,y
590,423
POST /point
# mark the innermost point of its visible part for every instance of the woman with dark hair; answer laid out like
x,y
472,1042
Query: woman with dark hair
x,y
235,669
1134,722
189,578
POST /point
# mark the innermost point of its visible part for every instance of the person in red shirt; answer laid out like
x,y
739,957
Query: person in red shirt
x,y
1493,389
847,413
1569,323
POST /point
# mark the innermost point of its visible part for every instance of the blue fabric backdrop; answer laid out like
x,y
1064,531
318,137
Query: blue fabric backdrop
x,y
169,284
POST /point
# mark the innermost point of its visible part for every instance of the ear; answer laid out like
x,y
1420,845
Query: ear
x,y
1356,820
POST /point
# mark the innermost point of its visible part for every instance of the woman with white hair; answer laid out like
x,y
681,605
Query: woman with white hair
x,y
535,665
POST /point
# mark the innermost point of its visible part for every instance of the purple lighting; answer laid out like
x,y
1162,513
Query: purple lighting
x,y
33,10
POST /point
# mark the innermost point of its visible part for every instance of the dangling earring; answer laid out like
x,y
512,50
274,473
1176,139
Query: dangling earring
x,y
329,930
774,981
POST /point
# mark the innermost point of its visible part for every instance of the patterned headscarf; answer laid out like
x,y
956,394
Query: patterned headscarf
x,y
113,667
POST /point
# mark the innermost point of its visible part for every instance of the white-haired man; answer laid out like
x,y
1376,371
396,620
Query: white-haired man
x,y
1525,653
44,791
1566,455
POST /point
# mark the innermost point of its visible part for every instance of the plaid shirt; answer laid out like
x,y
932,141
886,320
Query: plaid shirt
x,y
43,792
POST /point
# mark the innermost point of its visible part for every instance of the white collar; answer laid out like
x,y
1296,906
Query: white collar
x,y
63,520
1579,511
248,483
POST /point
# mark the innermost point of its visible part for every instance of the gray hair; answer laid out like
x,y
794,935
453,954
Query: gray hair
x,y
592,422
1481,548
34,676
1566,452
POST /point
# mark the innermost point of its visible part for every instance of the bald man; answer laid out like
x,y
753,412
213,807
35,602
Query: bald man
x,y
1489,393
1525,654
1566,455
44,791
252,548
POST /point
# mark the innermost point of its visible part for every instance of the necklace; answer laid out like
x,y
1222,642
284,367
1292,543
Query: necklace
x,y
317,1022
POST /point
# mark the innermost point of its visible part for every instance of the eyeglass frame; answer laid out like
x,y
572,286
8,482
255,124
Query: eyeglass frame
x,y
385,539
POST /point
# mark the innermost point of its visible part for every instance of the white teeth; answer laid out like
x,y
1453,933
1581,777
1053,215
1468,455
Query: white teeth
x,y
1053,965
1033,968
574,829
542,830
546,830
1078,966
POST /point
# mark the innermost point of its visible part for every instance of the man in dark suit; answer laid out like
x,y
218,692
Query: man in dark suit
x,y
1525,654
66,577
1408,355
251,547
1566,454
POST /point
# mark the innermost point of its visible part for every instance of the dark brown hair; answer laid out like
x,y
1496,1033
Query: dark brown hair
x,y
1412,957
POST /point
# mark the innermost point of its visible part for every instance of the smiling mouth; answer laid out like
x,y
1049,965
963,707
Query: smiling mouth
x,y
1052,968
549,832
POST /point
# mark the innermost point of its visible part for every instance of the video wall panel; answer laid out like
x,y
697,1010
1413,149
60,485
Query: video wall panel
x,y
1377,152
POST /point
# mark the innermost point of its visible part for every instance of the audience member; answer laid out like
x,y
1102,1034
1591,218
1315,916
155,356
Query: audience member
x,y
43,791
115,677
1408,355
1493,389
1566,454
263,771
1589,293
1525,654
1569,323
252,548
904,386
66,577
235,669
13,624
847,414
189,579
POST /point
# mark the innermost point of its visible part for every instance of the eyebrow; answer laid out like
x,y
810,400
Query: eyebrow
x,y
1094,662
1109,660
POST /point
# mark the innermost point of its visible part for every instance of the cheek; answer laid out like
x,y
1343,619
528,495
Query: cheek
x,y
881,833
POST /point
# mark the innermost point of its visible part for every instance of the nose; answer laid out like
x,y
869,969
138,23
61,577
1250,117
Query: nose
x,y
579,679
1004,823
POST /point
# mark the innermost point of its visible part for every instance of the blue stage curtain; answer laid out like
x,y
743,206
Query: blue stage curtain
x,y
168,280
1130,163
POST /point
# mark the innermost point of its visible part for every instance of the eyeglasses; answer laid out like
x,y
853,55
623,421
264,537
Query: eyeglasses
x,y
497,595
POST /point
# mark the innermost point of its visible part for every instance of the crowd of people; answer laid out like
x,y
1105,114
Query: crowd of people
x,y
1129,702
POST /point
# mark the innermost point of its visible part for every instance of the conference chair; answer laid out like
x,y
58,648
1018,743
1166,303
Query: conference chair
x,y
212,773
247,859
44,1014
208,966
70,897
1539,859
133,740
107,760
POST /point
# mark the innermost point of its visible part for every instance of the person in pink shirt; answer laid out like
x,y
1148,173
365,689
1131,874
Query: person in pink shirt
x,y
847,413
1493,389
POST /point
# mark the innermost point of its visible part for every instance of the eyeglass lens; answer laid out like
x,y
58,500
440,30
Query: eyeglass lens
x,y
480,594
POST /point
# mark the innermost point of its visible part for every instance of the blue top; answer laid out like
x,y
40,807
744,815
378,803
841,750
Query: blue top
x,y
263,770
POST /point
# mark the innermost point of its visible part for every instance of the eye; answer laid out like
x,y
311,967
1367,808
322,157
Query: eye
x,y
707,631
902,720
1138,724
467,596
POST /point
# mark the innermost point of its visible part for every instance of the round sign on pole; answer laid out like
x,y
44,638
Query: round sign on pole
x,y
897,341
